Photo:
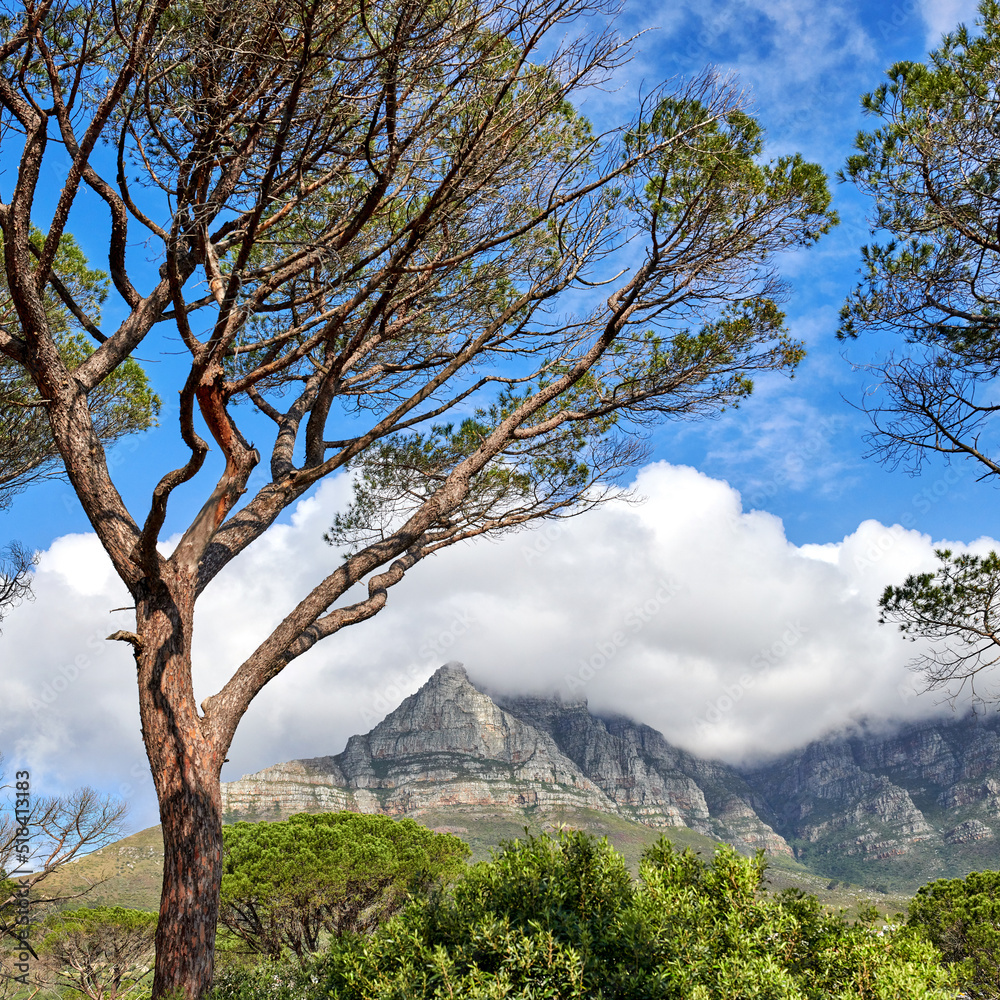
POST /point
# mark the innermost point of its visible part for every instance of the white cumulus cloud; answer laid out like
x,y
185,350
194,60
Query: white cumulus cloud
x,y
685,612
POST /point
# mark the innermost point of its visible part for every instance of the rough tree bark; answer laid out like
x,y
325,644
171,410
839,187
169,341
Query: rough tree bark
x,y
186,766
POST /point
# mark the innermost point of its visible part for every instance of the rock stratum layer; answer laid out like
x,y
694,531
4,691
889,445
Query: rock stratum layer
x,y
917,803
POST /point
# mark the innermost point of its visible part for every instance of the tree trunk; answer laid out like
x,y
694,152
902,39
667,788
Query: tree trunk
x,y
191,818
185,765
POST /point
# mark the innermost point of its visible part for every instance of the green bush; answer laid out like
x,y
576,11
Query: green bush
x,y
285,884
561,918
962,917
101,952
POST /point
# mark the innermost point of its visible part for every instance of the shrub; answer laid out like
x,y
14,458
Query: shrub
x,y
961,916
561,918
103,952
284,884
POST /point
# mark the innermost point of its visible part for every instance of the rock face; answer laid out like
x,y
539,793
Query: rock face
x,y
920,802
921,799
823,796
649,780
451,745
447,745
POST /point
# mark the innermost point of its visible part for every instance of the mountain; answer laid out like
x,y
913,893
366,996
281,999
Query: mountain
x,y
907,806
894,808
452,746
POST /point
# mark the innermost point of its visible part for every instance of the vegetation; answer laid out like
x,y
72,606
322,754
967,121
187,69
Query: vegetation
x,y
962,917
125,403
375,231
956,609
15,575
932,277
561,917
62,829
103,953
129,872
286,883
546,917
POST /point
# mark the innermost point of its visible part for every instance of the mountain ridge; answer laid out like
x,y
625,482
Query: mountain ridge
x,y
892,807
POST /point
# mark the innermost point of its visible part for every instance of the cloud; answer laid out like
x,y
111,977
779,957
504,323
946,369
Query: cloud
x,y
804,64
685,611
944,16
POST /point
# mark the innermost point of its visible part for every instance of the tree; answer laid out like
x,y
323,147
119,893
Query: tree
x,y
386,242
934,279
104,953
956,608
563,918
15,575
124,404
43,837
37,837
285,883
961,916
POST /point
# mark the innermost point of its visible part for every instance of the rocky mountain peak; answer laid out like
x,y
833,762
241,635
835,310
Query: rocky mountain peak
x,y
447,715
923,798
450,744
450,673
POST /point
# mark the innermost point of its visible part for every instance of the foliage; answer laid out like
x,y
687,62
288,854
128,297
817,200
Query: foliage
x,y
124,404
956,608
15,575
383,239
285,883
562,918
931,168
932,276
102,953
962,917
62,829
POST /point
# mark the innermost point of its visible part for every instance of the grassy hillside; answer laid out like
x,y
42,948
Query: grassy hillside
x,y
125,873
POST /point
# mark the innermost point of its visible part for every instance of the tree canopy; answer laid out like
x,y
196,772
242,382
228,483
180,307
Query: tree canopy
x,y
102,953
386,243
123,405
285,883
932,277
15,575
961,916
562,917
956,609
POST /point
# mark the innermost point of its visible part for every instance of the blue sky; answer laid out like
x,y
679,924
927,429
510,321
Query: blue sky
x,y
773,530
795,449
